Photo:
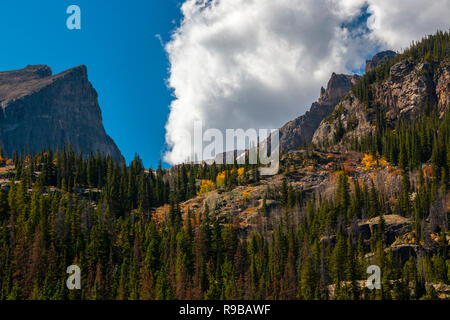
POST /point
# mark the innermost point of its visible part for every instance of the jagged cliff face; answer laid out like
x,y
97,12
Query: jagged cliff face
x,y
442,81
405,91
294,133
348,112
41,110
403,95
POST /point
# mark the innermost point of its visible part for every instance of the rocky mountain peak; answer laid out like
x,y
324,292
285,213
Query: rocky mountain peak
x,y
338,86
42,110
30,72
379,59
19,83
41,70
404,93
294,133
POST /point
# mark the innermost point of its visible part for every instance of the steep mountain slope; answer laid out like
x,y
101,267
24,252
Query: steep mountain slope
x,y
41,110
403,88
300,130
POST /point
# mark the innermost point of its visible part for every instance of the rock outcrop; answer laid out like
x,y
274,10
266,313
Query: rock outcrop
x,y
395,226
352,114
300,130
404,94
41,110
379,59
406,90
443,87
404,252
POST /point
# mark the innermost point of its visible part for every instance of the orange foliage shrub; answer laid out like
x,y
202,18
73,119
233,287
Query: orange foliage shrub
x,y
383,162
246,195
220,180
206,186
369,162
427,171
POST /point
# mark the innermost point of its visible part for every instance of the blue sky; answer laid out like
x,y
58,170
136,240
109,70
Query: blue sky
x,y
126,62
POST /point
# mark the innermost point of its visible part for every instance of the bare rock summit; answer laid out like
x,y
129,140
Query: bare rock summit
x,y
41,110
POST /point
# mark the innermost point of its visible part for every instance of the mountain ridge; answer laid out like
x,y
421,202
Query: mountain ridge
x,y
301,130
396,89
45,110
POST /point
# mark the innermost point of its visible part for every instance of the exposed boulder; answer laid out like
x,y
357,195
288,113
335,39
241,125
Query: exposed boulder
x,y
404,252
395,226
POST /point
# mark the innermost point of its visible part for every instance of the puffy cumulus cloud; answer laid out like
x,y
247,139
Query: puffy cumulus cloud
x,y
397,23
259,63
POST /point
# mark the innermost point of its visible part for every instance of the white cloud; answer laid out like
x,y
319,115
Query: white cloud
x,y
259,63
397,23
